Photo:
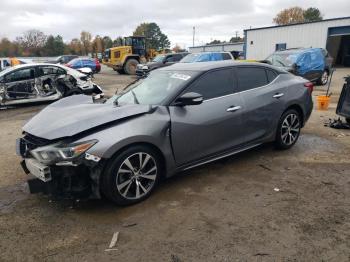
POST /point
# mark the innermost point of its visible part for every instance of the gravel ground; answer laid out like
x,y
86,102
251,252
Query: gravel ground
x,y
260,205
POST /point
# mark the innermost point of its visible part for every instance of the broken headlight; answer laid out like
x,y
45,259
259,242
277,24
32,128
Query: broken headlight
x,y
61,152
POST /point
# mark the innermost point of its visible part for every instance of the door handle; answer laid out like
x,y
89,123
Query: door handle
x,y
233,108
278,95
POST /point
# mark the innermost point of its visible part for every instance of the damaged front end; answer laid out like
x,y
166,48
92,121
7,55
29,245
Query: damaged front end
x,y
60,169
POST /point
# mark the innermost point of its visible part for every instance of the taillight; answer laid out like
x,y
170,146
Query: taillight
x,y
309,86
68,65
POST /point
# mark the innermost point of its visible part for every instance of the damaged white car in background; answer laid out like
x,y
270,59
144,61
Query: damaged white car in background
x,y
43,82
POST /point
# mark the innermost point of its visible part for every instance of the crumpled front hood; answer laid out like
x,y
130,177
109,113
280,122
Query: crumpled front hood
x,y
75,114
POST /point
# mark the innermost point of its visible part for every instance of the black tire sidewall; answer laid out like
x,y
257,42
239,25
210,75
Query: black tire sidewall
x,y
279,142
108,185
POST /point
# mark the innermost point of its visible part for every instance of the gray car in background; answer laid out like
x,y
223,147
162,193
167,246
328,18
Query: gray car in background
x,y
158,62
177,118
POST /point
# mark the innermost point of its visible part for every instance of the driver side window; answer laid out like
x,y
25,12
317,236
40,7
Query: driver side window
x,y
214,84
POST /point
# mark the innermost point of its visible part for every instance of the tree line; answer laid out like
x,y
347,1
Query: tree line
x,y
297,14
37,43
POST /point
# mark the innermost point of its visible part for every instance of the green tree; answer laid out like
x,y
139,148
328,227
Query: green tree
x,y
54,46
214,42
236,39
312,14
154,37
119,41
107,42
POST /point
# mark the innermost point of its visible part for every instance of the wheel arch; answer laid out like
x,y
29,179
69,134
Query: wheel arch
x,y
297,108
131,57
158,151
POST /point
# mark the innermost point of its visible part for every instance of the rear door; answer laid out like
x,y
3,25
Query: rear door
x,y
263,99
212,127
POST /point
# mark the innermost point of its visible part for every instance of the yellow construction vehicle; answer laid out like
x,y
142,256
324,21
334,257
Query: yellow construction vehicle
x,y
125,58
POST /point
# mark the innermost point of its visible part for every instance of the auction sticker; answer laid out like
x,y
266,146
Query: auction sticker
x,y
180,76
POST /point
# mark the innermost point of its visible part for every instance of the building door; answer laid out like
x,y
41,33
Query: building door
x,y
338,45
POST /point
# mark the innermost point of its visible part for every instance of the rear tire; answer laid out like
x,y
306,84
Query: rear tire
x,y
129,178
288,129
347,120
130,66
323,80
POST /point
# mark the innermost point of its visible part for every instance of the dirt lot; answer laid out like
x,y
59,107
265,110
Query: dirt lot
x,y
225,211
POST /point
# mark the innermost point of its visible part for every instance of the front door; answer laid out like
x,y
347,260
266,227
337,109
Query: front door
x,y
212,127
21,83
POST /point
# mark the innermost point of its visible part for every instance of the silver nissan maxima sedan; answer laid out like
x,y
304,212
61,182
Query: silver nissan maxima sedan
x,y
177,118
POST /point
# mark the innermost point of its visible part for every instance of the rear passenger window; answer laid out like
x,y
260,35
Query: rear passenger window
x,y
226,56
271,75
177,58
250,77
214,84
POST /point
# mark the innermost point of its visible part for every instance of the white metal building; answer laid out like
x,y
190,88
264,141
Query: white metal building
x,y
228,47
331,34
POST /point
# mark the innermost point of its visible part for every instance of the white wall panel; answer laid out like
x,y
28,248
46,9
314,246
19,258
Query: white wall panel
x,y
302,35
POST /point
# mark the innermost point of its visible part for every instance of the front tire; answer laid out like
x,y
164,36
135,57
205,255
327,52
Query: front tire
x,y
288,129
130,66
132,175
323,80
347,120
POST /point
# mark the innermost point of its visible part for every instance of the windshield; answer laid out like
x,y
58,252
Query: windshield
x,y
283,59
158,58
154,89
201,57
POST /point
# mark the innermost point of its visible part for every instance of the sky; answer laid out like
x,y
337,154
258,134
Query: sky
x,y
213,19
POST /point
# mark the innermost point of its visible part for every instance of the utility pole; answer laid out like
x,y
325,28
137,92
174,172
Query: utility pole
x,y
194,33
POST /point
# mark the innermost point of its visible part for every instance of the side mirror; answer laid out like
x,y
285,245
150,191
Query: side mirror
x,y
189,99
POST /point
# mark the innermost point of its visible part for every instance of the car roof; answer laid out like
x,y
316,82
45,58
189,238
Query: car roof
x,y
206,66
10,69
34,64
296,50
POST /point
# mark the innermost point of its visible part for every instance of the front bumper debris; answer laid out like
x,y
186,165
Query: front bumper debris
x,y
66,182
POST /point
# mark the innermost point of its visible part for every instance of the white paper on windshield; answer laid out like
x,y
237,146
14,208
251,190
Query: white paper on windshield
x,y
180,76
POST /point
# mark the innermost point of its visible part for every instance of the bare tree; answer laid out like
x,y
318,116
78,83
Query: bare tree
x,y
32,41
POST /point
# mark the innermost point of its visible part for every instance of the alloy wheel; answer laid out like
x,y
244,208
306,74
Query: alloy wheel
x,y
324,78
290,129
136,175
